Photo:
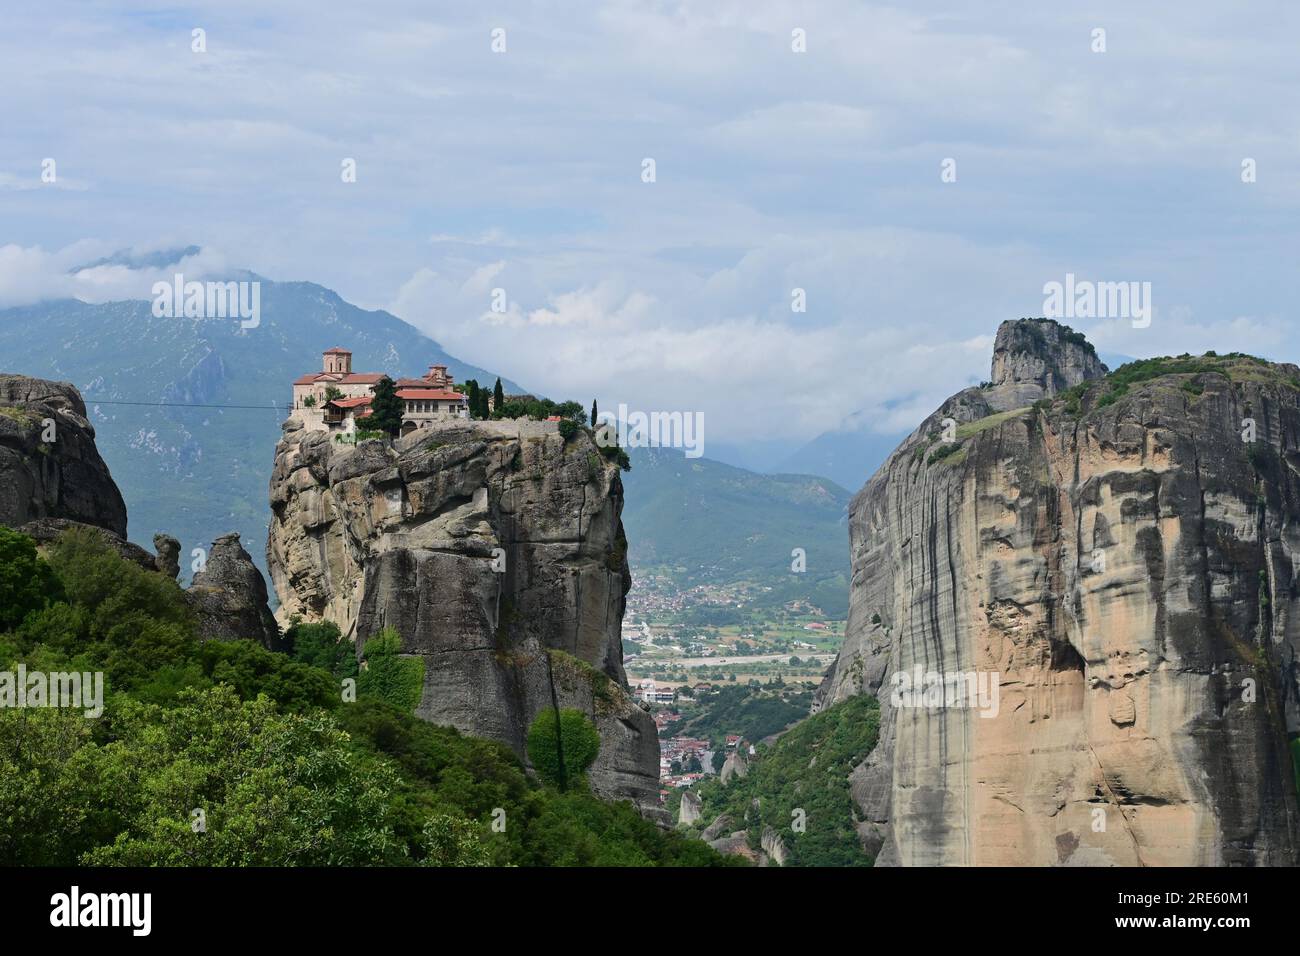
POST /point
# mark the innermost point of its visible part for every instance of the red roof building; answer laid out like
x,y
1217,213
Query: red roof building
x,y
349,393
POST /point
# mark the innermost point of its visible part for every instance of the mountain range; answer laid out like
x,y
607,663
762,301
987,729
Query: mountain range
x,y
706,522
188,413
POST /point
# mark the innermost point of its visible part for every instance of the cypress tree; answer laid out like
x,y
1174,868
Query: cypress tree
x,y
386,408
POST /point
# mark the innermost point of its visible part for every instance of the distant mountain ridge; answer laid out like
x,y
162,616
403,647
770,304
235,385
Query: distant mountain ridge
x,y
720,524
200,471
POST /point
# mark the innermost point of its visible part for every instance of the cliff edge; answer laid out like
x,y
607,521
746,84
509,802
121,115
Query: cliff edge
x,y
496,550
1117,554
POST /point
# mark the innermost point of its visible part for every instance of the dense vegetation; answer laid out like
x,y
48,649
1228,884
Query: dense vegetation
x,y
750,710
805,770
223,753
1237,367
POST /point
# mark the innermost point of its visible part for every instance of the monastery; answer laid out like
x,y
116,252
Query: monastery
x,y
337,399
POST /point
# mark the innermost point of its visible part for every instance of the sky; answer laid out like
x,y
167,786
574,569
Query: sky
x,y
919,170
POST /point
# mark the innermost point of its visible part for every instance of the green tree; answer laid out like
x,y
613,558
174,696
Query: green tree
x,y
385,408
26,582
274,789
321,645
594,417
576,738
388,675
284,771
498,396
471,390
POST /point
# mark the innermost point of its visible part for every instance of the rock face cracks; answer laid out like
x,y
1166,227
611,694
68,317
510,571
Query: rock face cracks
x,y
49,465
1124,560
496,551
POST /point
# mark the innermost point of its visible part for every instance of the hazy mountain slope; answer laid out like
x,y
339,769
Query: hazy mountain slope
x,y
197,473
847,455
717,523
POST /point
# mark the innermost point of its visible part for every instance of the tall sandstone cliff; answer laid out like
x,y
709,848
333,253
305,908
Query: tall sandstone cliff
x,y
1125,562
496,550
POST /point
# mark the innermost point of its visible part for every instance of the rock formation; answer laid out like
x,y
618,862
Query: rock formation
x,y
774,848
689,811
1119,558
496,550
736,763
169,550
1043,358
717,828
229,596
49,465
53,479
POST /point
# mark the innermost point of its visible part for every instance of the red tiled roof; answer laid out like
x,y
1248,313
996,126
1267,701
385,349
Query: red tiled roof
x,y
350,402
336,351
436,394
362,378
311,378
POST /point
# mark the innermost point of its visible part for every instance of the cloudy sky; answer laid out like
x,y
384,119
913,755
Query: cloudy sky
x,y
821,170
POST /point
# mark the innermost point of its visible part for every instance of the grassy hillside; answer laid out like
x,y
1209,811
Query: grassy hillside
x,y
805,770
710,523
752,710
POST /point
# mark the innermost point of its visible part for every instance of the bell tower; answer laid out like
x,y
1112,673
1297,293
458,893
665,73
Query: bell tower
x,y
338,361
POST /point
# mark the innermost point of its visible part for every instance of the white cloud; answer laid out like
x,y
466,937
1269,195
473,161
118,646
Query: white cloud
x,y
31,274
776,170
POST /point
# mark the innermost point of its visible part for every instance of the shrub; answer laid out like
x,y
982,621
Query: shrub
x,y
943,451
577,738
389,676
321,645
27,583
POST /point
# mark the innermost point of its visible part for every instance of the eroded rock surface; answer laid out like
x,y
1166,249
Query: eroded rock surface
x,y
229,596
497,551
690,809
1126,564
49,465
